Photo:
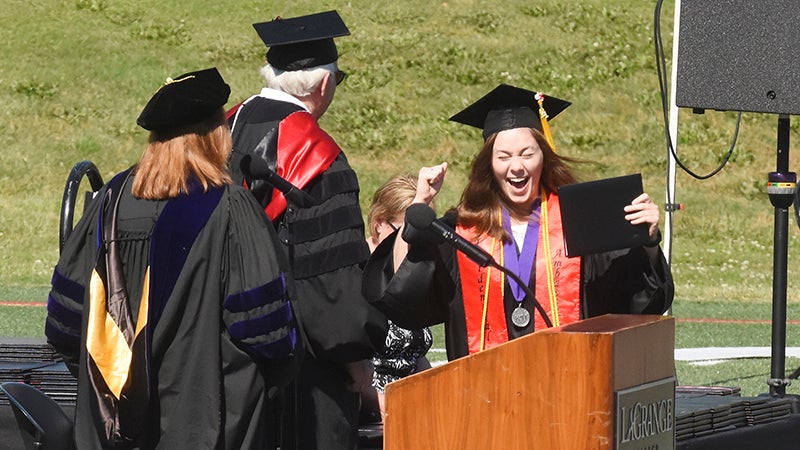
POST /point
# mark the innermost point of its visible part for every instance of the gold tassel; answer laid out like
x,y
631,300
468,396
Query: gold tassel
x,y
543,119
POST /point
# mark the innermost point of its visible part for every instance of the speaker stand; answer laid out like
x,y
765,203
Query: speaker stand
x,y
781,189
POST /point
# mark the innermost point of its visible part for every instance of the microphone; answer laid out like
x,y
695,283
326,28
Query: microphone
x,y
258,169
423,218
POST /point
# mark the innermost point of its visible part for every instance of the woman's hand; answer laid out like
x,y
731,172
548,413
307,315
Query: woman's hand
x,y
643,210
430,183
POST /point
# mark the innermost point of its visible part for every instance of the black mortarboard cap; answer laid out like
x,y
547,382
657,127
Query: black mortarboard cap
x,y
184,100
301,42
507,107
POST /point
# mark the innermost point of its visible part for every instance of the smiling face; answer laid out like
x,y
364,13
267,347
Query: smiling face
x,y
517,162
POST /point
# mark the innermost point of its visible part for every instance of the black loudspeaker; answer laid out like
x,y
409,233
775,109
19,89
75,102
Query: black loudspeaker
x,y
739,55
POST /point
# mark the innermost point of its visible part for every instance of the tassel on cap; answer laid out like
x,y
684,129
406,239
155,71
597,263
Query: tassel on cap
x,y
543,119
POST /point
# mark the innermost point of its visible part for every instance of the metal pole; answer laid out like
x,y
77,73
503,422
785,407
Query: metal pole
x,y
670,203
781,189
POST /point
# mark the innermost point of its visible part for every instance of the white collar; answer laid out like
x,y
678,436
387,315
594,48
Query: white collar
x,y
274,94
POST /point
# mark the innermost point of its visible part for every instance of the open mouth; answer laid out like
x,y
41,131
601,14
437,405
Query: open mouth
x,y
518,183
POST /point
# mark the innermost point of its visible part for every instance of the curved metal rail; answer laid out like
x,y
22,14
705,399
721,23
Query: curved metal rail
x,y
81,169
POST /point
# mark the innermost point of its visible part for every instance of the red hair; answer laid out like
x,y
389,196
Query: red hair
x,y
172,157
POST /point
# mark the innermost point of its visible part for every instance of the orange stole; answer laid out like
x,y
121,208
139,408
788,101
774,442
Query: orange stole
x,y
483,304
482,310
561,298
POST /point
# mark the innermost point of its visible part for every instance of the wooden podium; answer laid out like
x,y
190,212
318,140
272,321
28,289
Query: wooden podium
x,y
554,389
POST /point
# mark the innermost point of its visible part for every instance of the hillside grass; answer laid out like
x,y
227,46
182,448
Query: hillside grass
x,y
77,73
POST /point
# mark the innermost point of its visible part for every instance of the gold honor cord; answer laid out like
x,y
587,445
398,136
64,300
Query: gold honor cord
x,y
551,286
486,297
105,341
551,279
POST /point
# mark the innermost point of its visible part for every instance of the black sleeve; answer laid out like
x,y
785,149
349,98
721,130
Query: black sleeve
x,y
69,285
327,248
256,291
419,293
626,282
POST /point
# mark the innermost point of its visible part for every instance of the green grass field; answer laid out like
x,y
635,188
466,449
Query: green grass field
x,y
750,374
77,73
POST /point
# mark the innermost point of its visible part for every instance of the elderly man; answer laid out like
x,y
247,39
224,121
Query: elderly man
x,y
302,179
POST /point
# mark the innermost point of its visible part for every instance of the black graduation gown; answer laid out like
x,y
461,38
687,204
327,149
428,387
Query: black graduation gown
x,y
426,289
325,243
324,239
210,386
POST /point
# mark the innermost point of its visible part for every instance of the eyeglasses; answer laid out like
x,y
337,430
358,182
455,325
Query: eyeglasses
x,y
339,76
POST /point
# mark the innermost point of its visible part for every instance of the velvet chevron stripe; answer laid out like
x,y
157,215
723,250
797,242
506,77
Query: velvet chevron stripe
x,y
270,333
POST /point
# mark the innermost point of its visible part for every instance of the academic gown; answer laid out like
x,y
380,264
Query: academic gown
x,y
324,239
426,289
215,280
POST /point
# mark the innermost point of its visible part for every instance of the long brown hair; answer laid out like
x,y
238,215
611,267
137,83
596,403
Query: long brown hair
x,y
481,201
172,157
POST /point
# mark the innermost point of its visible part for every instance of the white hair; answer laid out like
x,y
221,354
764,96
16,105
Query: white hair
x,y
298,83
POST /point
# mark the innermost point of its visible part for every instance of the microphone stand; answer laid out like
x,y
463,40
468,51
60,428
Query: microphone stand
x,y
527,290
781,190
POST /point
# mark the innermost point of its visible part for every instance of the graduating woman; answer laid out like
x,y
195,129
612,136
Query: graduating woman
x,y
169,302
510,208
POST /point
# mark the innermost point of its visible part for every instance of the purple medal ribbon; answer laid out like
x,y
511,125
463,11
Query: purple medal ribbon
x,y
521,263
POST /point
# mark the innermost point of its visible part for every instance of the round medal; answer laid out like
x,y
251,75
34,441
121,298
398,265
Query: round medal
x,y
520,317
